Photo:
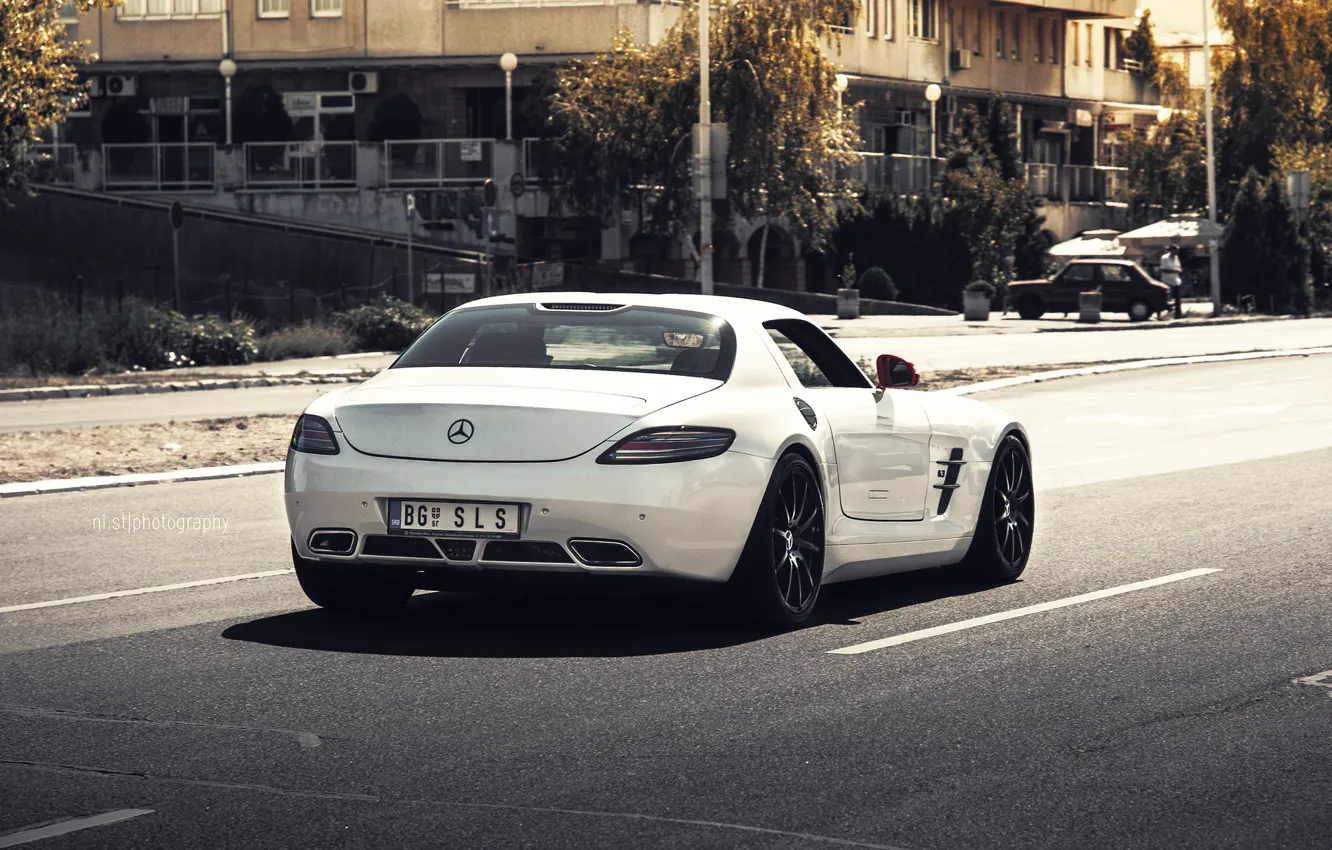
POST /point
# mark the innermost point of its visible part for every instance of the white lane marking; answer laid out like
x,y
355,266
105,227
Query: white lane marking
x,y
139,591
63,827
1318,680
908,637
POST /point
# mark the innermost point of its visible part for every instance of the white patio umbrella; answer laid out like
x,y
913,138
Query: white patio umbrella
x,y
1186,231
1092,243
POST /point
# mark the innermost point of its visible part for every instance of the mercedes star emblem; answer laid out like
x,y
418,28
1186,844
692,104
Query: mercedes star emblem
x,y
461,431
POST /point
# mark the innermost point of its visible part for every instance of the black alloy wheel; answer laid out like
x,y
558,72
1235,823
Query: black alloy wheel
x,y
781,569
1001,544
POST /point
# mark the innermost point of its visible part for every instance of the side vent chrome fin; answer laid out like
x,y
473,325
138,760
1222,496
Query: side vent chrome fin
x,y
953,467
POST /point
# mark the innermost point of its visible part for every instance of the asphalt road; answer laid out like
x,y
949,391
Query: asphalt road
x,y
929,353
1169,716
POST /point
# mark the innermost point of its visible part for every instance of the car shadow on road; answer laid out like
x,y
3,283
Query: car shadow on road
x,y
464,625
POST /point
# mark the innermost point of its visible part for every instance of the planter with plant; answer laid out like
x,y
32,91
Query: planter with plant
x,y
848,297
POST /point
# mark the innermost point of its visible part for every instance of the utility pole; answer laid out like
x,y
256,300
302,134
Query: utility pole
x,y
704,150
1212,242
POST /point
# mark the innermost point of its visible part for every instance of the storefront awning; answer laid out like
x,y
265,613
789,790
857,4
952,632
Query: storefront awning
x,y
1093,243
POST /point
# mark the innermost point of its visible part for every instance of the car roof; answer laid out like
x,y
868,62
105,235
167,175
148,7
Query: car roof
x,y
730,308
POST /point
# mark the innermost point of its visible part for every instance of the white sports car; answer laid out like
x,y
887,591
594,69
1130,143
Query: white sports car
x,y
716,440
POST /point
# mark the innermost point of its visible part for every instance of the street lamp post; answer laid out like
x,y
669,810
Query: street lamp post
x,y
509,63
704,150
227,68
932,94
1213,256
840,84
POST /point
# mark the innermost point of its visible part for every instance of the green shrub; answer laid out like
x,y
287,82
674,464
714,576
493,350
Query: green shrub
x,y
303,341
876,283
46,336
386,325
983,287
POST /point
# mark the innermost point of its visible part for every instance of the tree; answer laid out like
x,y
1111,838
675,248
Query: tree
x,y
39,83
1287,254
623,118
1275,86
397,118
1243,252
1167,168
261,116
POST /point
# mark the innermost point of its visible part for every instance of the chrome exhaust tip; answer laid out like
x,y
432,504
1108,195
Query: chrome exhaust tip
x,y
332,541
605,553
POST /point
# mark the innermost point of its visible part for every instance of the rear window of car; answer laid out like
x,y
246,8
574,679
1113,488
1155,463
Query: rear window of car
x,y
626,339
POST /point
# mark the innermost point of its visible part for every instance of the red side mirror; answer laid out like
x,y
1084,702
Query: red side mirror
x,y
895,372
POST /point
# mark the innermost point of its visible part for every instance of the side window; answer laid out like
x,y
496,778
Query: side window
x,y
1078,275
1115,274
815,359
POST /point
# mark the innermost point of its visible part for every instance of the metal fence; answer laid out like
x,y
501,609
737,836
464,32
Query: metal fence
x,y
160,167
300,165
438,162
1045,180
899,173
51,164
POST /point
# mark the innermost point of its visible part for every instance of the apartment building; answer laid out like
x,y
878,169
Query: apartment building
x,y
157,80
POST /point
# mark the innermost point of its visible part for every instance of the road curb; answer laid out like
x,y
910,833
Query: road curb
x,y
1056,374
1160,326
332,376
98,482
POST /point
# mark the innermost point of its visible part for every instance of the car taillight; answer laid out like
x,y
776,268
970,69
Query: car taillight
x,y
314,435
667,445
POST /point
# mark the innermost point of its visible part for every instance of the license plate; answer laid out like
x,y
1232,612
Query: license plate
x,y
452,519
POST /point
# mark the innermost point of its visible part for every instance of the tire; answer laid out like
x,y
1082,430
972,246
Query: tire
x,y
1140,310
347,589
776,581
1001,544
1030,307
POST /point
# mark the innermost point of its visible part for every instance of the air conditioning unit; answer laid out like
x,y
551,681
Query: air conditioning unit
x,y
120,85
363,82
95,87
962,60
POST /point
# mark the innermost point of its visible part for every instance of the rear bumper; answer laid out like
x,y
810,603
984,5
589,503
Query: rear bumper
x,y
685,520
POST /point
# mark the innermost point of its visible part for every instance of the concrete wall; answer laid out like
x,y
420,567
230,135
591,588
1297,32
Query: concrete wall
x,y
1068,220
544,31
300,35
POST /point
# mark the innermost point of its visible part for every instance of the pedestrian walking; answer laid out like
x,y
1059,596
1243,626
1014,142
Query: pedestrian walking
x,y
1170,276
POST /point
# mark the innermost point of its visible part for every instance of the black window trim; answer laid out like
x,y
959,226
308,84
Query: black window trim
x,y
844,374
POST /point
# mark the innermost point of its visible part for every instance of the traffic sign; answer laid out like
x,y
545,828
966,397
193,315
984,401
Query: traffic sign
x,y
489,192
176,213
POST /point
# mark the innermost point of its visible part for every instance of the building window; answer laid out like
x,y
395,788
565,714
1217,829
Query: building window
x,y
959,30
1088,58
1114,48
137,10
1054,42
1040,39
871,17
977,37
1016,50
326,8
1000,30
925,19
69,12
890,19
274,8
1075,58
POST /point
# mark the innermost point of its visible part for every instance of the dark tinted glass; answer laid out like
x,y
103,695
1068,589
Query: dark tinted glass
x,y
633,339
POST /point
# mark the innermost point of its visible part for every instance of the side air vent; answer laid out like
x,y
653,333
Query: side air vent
x,y
807,412
952,469
581,307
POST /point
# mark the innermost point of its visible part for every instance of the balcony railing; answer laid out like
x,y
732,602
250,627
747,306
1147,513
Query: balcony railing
x,y
300,165
159,167
1045,181
51,164
898,173
439,162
